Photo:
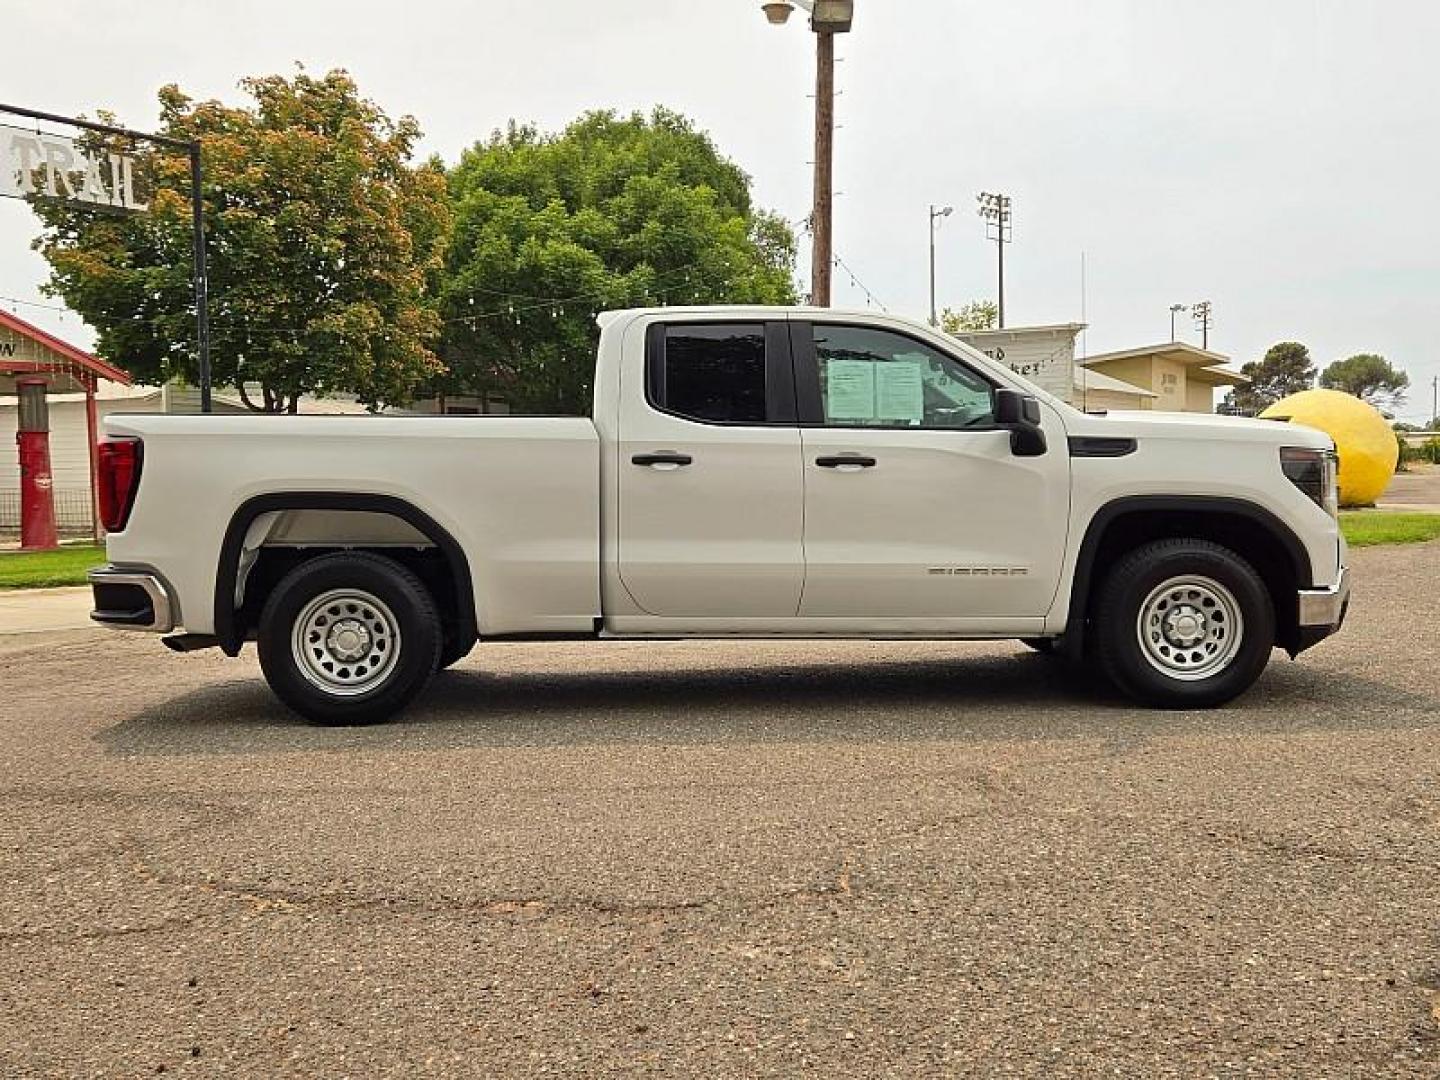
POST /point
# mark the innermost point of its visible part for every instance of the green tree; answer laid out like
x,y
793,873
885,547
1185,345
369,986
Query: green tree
x,y
611,212
321,239
1285,369
1369,377
976,315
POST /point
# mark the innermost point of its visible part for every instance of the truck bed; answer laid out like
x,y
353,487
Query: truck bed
x,y
520,495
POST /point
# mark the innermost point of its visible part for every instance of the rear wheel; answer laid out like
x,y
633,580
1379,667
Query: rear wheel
x,y
1184,624
349,639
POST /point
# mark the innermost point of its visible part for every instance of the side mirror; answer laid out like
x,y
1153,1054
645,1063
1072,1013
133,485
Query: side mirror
x,y
1020,413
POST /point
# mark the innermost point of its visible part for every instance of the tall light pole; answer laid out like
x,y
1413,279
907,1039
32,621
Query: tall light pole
x,y
1174,310
995,209
1201,314
827,18
935,215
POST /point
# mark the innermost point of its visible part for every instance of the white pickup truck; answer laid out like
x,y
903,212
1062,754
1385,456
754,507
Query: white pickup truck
x,y
748,472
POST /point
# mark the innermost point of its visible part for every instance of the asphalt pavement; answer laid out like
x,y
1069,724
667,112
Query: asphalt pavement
x,y
728,859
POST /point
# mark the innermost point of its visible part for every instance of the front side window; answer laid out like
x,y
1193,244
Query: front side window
x,y
713,372
878,378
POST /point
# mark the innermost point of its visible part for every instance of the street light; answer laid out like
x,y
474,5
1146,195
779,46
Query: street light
x,y
934,216
1174,310
995,209
827,18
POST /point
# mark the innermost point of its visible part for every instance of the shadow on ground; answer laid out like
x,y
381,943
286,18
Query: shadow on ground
x,y
964,698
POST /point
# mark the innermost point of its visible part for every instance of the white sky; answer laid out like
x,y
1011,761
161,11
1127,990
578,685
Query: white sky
x,y
1279,158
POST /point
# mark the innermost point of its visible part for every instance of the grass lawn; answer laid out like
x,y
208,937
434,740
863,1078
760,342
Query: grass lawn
x,y
44,569
1365,528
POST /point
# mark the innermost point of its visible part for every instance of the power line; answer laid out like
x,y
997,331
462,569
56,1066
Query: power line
x,y
32,303
855,280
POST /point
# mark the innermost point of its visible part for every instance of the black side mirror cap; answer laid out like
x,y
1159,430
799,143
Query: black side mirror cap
x,y
1021,414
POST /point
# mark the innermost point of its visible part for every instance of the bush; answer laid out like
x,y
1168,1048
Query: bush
x,y
1407,453
1430,450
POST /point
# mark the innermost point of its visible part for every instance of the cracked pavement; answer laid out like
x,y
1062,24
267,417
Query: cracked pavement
x,y
727,859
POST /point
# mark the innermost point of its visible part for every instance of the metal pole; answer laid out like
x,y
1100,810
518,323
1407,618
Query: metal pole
x,y
90,125
821,251
1172,324
1000,247
202,313
933,320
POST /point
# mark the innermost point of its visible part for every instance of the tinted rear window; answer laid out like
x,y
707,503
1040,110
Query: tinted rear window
x,y
714,372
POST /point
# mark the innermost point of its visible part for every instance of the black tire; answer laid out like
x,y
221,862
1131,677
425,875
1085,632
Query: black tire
x,y
1045,645
1215,676
401,645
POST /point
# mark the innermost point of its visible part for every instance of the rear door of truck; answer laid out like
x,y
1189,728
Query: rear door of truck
x,y
711,498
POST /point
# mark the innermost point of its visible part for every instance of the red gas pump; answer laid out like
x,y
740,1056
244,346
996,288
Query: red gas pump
x,y
37,495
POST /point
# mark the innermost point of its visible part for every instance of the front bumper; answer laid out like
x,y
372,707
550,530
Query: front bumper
x,y
131,600
1321,612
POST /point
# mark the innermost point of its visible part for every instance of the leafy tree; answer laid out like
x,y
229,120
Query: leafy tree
x,y
1369,377
976,315
1285,369
321,238
611,212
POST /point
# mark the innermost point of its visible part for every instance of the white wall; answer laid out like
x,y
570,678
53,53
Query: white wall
x,y
1045,355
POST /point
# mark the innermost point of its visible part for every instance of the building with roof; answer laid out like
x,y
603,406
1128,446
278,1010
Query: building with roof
x,y
1180,377
74,380
1173,377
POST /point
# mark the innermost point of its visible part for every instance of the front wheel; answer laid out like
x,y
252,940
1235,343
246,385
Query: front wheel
x,y
349,638
1183,624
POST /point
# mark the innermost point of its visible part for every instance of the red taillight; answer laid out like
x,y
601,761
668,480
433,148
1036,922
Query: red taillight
x,y
118,480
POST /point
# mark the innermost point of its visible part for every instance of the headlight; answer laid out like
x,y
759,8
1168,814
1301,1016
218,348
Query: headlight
x,y
1316,473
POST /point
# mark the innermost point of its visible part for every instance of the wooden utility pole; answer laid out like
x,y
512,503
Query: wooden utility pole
x,y
821,252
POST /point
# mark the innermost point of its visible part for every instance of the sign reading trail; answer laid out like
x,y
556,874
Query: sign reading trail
x,y
58,167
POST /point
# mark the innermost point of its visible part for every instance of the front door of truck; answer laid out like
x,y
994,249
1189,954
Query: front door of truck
x,y
915,506
711,501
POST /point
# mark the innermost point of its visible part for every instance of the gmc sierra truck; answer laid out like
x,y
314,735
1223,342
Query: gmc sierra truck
x,y
748,472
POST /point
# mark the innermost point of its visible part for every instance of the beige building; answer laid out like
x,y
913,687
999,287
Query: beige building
x,y
1174,377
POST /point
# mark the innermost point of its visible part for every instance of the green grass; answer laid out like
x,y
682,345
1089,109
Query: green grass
x,y
1366,528
45,569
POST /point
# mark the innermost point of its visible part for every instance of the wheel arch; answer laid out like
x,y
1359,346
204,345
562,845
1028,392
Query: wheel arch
x,y
229,627
1247,528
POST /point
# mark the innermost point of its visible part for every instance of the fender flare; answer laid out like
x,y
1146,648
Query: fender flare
x,y
1082,580
227,626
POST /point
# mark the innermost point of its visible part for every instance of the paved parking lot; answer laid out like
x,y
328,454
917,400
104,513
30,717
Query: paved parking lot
x,y
728,859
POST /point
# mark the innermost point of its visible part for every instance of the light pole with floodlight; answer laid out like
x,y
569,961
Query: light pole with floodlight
x,y
827,18
935,215
1175,309
995,209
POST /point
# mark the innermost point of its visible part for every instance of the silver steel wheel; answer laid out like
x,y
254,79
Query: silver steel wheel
x,y
1190,628
346,642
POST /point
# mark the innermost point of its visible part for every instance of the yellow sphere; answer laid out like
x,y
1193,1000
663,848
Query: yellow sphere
x,y
1366,444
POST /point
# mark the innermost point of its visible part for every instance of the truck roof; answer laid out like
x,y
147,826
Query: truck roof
x,y
605,318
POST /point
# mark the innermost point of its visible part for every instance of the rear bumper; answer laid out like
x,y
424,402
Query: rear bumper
x,y
131,600
1321,612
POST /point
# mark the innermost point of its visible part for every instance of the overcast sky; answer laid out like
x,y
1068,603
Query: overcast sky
x,y
1279,158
